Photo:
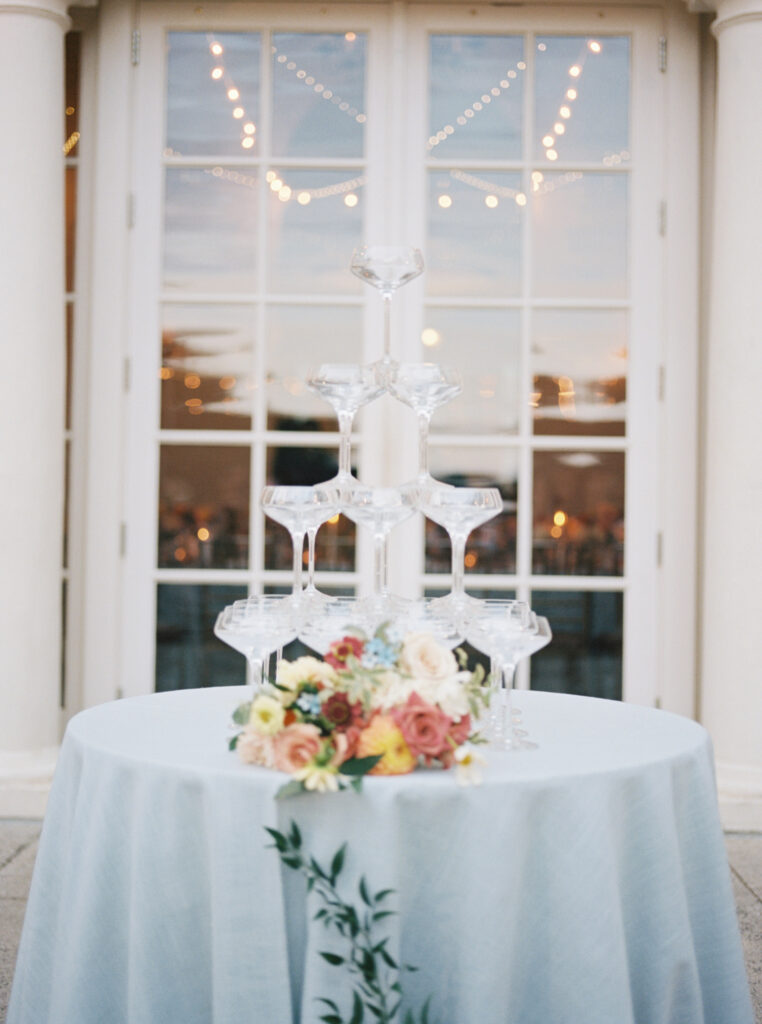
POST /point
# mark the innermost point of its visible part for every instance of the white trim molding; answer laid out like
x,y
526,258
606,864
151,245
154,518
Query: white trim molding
x,y
55,10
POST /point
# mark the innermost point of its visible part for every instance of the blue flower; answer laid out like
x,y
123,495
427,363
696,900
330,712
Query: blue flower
x,y
377,654
309,703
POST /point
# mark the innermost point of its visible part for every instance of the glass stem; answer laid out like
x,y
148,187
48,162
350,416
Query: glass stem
x,y
255,663
387,326
506,721
424,419
311,534
345,444
458,543
298,541
379,565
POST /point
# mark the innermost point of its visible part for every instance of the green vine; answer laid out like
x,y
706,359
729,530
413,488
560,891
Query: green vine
x,y
376,985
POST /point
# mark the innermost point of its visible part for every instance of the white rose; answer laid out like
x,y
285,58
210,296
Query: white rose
x,y
304,670
391,689
424,658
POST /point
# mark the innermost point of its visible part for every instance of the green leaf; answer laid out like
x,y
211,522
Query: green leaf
x,y
409,1019
332,1018
382,895
411,967
356,783
316,868
338,863
376,1009
425,1012
332,958
280,840
359,765
381,914
389,960
328,1002
357,1010
295,836
234,741
320,914
242,713
364,892
292,788
292,860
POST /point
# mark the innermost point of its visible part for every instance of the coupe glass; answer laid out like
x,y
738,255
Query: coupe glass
x,y
347,387
301,510
387,267
332,622
427,617
459,510
424,387
379,509
256,626
507,635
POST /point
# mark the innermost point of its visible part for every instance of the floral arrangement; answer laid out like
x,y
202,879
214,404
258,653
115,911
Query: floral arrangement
x,y
379,705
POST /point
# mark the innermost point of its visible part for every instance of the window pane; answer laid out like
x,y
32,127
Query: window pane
x,y
578,524
491,548
212,92
579,371
335,542
207,370
580,236
210,220
204,507
188,654
474,234
485,346
315,223
73,44
318,94
298,339
582,84
585,654
476,97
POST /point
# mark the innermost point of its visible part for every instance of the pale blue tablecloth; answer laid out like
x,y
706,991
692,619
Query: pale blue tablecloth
x,y
583,883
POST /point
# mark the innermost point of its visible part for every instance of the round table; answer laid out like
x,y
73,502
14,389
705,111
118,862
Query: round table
x,y
584,882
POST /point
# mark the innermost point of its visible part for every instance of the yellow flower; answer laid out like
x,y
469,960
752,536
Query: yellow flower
x,y
292,674
267,715
383,737
323,778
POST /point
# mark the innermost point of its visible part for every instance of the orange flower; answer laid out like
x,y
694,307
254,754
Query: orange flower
x,y
383,737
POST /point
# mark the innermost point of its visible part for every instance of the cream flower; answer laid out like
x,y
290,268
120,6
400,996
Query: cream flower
x,y
423,658
323,778
267,715
391,689
304,670
450,693
468,765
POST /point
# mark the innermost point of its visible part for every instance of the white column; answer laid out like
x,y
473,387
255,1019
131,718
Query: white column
x,y
32,405
731,678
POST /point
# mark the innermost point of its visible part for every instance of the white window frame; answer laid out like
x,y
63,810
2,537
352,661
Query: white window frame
x,y
667,599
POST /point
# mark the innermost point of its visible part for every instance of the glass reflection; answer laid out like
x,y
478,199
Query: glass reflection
x,y
295,334
485,345
491,548
582,83
204,507
73,50
335,543
71,225
315,220
210,78
188,654
586,654
580,236
476,97
318,94
210,219
474,233
578,513
579,371
206,373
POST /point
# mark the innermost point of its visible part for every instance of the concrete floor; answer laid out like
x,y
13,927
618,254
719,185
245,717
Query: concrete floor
x,y
18,848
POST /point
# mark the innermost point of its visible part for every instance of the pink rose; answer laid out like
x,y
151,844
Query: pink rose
x,y
459,733
294,746
424,726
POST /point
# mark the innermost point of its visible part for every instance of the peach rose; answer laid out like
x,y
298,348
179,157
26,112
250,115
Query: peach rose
x,y
383,737
294,746
424,726
255,747
423,658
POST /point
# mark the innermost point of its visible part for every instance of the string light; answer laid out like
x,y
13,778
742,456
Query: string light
x,y
284,191
310,80
476,107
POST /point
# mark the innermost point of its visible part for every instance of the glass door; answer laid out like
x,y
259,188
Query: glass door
x,y
514,153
